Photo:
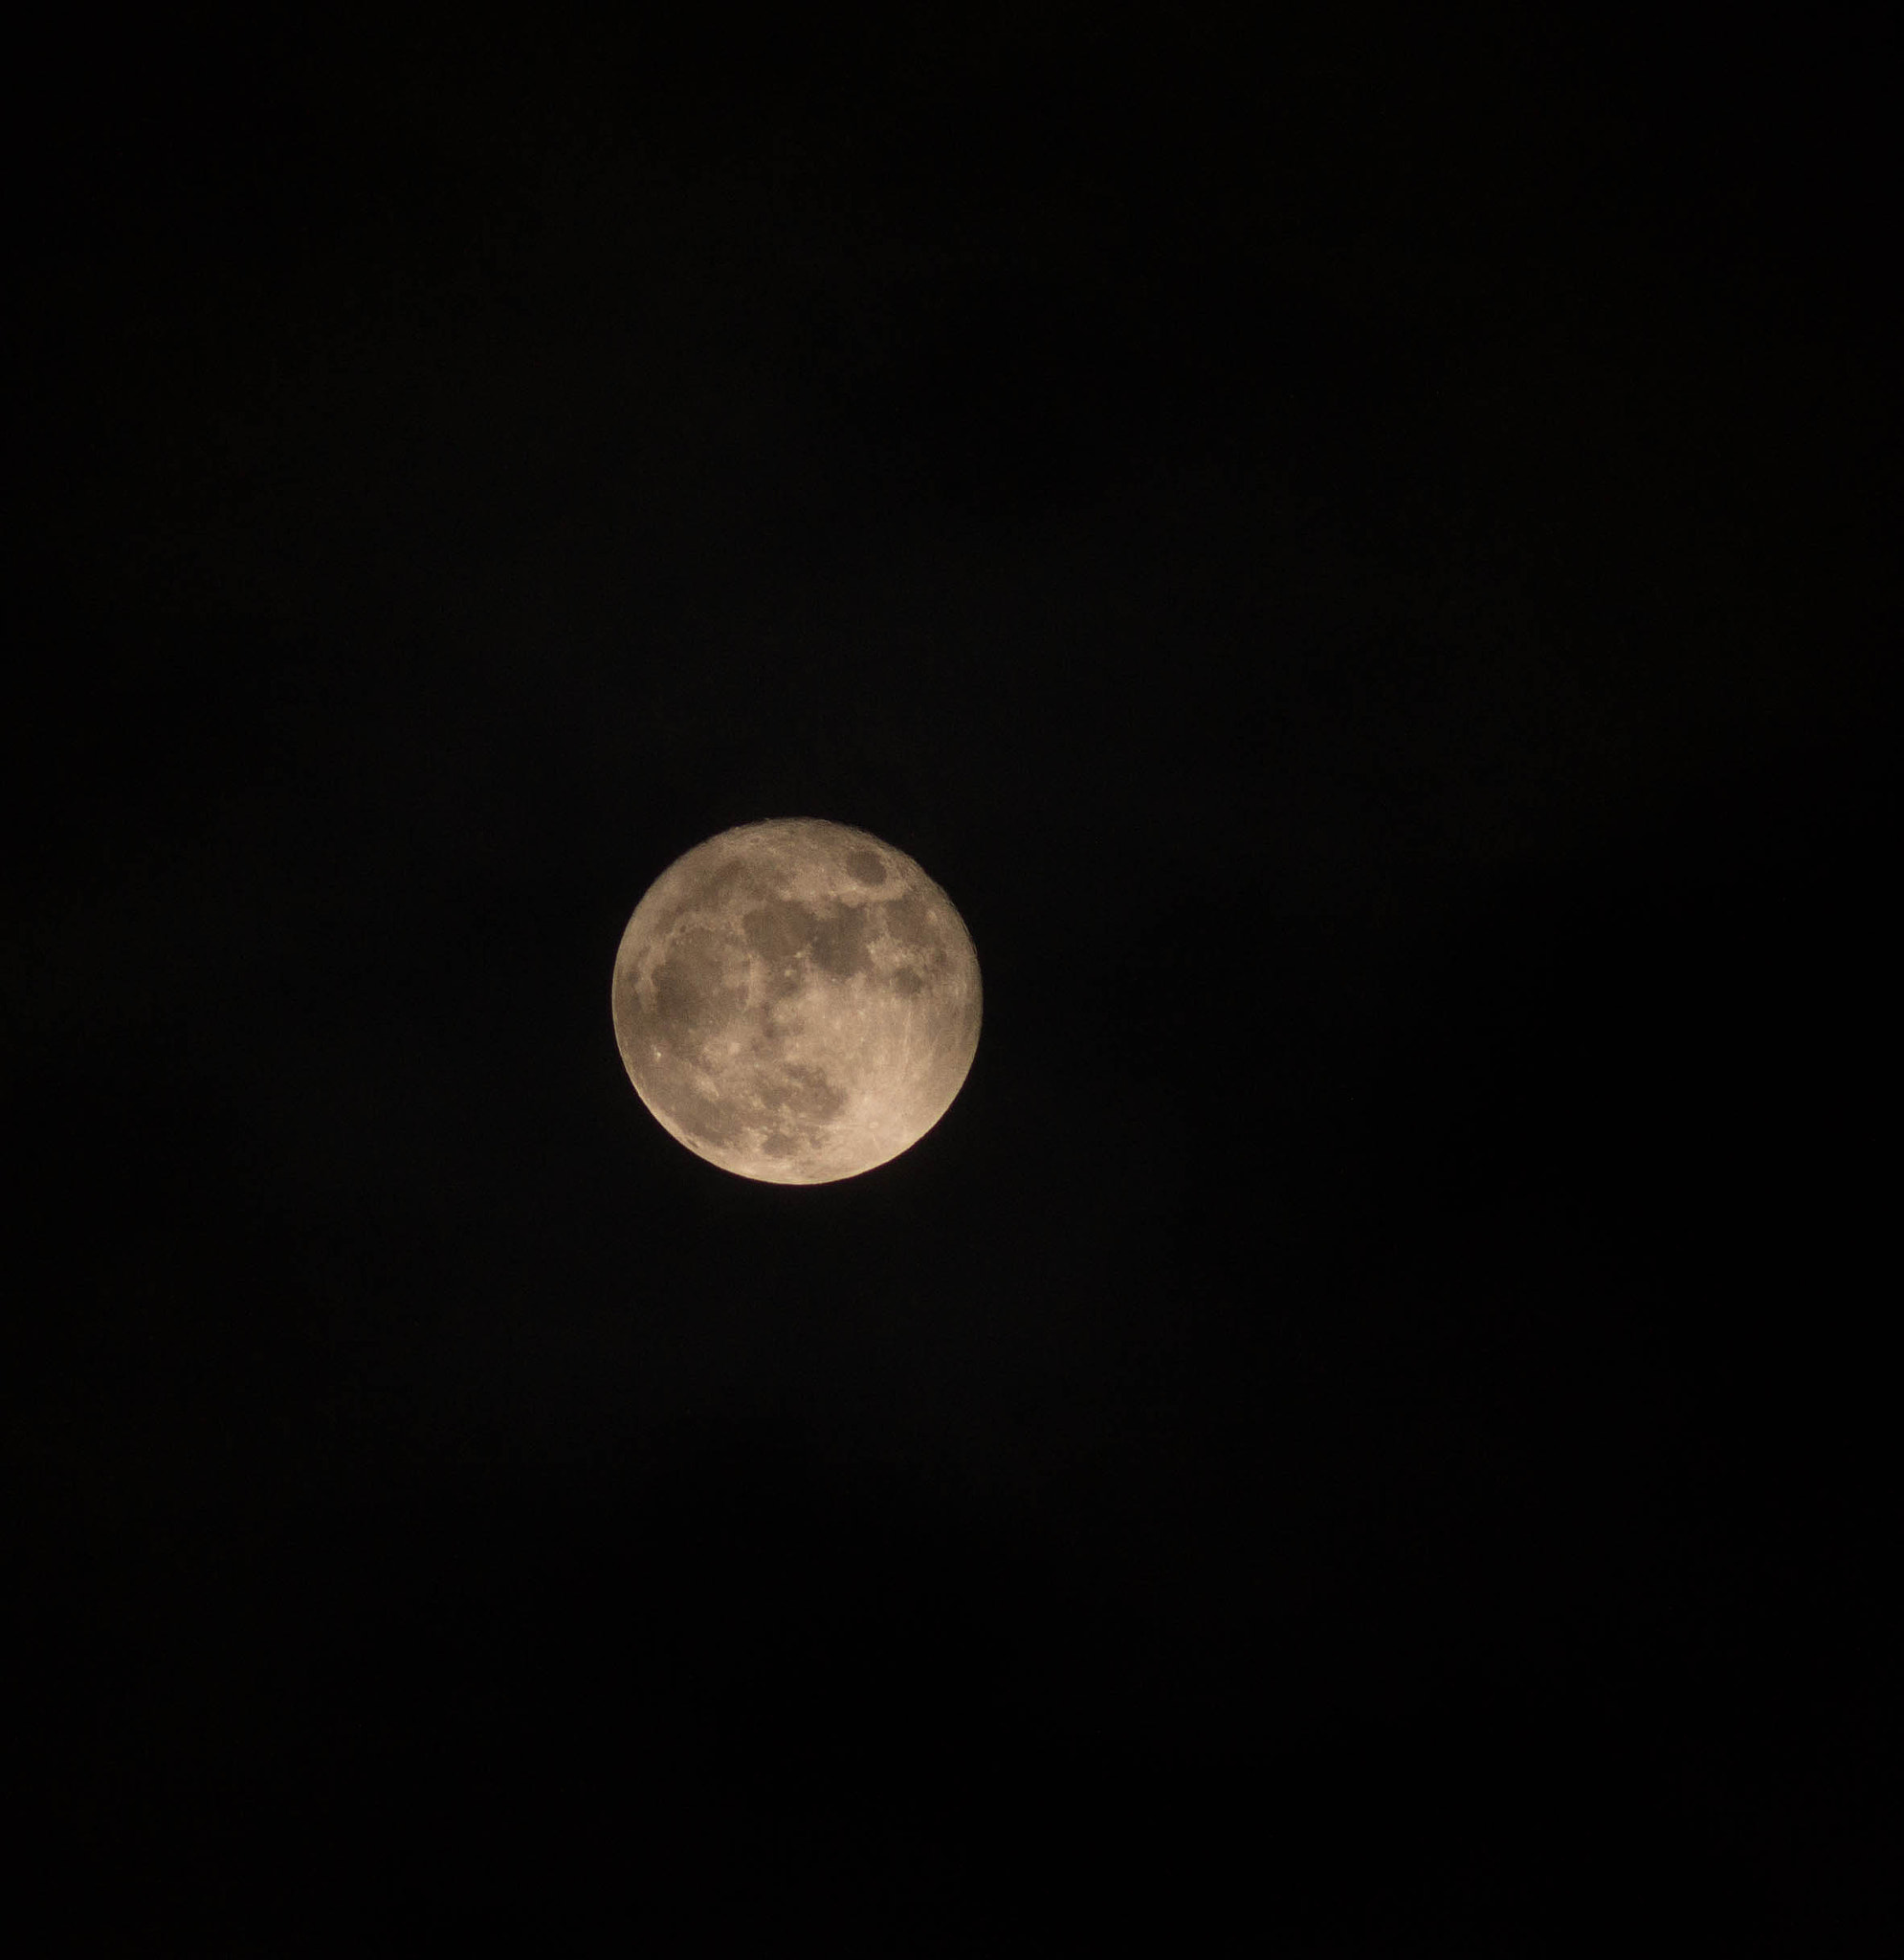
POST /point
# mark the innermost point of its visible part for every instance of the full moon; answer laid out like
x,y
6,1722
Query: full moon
x,y
796,1001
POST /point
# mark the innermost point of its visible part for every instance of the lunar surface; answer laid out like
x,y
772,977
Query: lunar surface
x,y
796,1001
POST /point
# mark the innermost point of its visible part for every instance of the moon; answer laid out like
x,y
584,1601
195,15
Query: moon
x,y
796,1001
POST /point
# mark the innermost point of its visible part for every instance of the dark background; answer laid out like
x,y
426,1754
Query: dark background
x,y
1360,553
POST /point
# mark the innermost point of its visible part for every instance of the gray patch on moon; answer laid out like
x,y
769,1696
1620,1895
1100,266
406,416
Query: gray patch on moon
x,y
789,1014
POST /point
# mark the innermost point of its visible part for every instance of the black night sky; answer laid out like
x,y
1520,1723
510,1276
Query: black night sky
x,y
1362,554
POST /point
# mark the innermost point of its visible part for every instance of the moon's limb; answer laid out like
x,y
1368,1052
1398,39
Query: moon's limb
x,y
796,1001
